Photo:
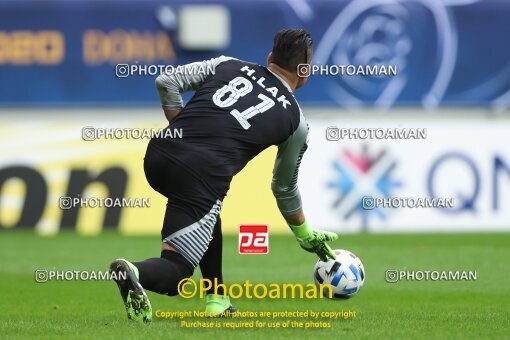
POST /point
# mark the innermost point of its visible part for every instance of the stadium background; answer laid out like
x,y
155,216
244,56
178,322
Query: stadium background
x,y
58,73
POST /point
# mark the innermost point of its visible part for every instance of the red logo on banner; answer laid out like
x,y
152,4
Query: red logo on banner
x,y
253,239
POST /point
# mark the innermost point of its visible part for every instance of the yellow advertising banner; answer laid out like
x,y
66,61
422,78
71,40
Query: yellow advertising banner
x,y
89,156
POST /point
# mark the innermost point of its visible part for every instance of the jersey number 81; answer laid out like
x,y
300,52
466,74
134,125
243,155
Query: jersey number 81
x,y
230,94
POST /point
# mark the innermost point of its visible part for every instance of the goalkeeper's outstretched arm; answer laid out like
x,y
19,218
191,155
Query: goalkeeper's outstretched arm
x,y
288,198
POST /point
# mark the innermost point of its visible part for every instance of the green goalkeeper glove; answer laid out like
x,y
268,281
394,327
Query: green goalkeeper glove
x,y
314,241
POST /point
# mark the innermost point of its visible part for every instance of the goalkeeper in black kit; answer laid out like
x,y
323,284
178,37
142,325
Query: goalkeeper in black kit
x,y
239,109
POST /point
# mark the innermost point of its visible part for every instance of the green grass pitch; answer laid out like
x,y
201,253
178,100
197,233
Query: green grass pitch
x,y
422,309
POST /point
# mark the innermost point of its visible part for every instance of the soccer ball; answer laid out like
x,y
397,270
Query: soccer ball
x,y
345,274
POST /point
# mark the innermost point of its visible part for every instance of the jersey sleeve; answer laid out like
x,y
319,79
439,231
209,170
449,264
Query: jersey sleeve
x,y
286,168
170,86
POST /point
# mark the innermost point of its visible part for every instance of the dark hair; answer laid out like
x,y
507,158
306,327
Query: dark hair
x,y
292,47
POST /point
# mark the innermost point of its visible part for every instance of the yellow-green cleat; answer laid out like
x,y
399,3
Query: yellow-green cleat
x,y
138,306
218,306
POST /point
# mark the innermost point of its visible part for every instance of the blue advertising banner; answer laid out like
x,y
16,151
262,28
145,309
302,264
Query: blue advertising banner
x,y
446,53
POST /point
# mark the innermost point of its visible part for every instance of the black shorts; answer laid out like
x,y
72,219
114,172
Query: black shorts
x,y
192,209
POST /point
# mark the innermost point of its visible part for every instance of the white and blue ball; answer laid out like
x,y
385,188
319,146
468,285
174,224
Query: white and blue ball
x,y
345,274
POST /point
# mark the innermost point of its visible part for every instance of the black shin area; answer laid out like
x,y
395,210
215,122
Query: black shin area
x,y
162,275
211,263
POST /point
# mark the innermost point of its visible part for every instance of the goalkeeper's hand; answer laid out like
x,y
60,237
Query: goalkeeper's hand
x,y
314,241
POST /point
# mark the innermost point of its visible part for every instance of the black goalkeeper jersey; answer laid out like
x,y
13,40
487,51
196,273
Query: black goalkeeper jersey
x,y
238,110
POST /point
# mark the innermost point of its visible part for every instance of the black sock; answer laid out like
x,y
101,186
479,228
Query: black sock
x,y
162,274
211,263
